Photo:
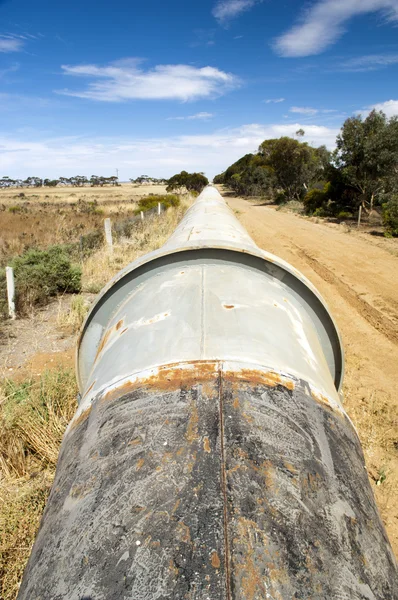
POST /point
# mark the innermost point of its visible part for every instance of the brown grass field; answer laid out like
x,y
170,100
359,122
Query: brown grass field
x,y
46,216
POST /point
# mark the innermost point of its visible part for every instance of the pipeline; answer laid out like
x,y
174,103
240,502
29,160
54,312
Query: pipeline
x,y
210,457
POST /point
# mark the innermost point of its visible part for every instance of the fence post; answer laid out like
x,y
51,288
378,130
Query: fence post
x,y
159,208
108,233
142,215
359,215
10,292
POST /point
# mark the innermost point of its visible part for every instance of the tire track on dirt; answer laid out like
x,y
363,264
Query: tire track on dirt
x,y
381,323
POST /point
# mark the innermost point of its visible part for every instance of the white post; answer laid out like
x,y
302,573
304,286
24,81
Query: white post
x,y
142,215
10,292
359,215
159,208
108,233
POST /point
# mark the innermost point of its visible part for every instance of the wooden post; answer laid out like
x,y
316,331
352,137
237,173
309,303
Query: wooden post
x,y
10,292
108,233
159,208
359,215
142,215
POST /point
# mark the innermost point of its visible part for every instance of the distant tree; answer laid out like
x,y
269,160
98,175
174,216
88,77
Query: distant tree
x,y
51,182
7,182
33,182
367,156
65,181
192,182
295,164
253,181
300,133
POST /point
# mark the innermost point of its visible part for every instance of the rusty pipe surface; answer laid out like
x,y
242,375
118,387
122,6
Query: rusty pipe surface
x,y
210,457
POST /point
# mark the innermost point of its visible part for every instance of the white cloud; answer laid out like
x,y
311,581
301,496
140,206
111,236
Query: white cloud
x,y
274,100
324,22
10,43
389,107
370,62
126,80
303,110
201,116
225,10
160,157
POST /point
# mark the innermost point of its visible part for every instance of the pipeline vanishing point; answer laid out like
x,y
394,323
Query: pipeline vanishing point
x,y
210,457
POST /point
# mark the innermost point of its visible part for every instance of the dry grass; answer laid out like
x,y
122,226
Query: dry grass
x,y
45,217
33,417
100,267
72,319
375,418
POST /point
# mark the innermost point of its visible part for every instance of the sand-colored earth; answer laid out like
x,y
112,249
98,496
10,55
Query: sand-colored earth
x,y
357,274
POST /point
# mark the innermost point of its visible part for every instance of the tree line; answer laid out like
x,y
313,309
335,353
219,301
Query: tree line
x,y
179,182
76,181
361,171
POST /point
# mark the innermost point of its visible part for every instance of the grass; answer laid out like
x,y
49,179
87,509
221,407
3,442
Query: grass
x,y
72,319
33,417
61,215
376,421
149,235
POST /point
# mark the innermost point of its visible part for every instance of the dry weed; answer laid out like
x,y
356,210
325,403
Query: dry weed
x,y
22,502
33,418
100,267
72,319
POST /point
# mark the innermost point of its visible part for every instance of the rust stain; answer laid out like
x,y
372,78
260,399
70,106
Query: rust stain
x,y
235,403
176,376
80,491
172,567
254,376
119,324
170,378
183,532
320,398
229,306
167,456
140,463
124,330
90,388
251,578
206,445
215,560
103,343
135,442
81,418
247,417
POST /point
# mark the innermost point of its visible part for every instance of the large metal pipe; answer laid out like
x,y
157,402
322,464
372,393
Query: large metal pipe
x,y
210,457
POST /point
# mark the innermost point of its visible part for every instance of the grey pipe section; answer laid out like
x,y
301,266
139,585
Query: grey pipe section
x,y
210,457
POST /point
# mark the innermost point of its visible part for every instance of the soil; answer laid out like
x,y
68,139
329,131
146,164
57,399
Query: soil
x,y
357,274
29,346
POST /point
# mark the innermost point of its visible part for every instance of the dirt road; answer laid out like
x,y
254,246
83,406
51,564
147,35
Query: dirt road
x,y
358,277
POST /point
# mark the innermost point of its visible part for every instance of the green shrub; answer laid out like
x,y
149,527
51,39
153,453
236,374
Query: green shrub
x,y
344,214
150,202
390,216
280,198
314,200
40,274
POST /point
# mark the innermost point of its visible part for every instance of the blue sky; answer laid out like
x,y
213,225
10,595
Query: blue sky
x,y
156,87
